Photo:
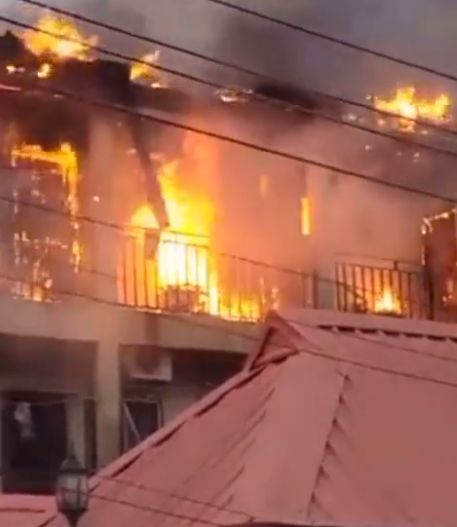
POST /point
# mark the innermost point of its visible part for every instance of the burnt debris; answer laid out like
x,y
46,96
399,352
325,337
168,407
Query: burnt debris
x,y
298,100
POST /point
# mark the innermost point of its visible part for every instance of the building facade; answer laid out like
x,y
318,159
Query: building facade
x,y
136,261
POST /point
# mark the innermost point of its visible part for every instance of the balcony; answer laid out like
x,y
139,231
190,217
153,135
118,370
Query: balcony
x,y
391,288
189,278
181,277
178,275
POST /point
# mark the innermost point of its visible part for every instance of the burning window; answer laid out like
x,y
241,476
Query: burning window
x,y
46,246
305,216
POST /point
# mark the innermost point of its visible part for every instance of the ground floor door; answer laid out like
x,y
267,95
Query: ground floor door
x,y
34,441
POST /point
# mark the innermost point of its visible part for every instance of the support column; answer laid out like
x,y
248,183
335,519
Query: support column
x,y
105,239
103,231
326,286
324,240
108,408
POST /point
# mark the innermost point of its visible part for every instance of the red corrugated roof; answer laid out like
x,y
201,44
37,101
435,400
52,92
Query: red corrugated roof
x,y
336,418
25,511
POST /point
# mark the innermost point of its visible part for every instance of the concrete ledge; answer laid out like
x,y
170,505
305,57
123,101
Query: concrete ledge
x,y
204,333
88,321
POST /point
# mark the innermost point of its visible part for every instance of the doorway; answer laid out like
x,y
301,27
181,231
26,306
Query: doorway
x,y
34,441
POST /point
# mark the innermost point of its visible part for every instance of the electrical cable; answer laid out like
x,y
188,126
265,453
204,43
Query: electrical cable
x,y
155,490
224,64
359,293
102,104
407,139
149,489
302,351
155,510
245,336
322,36
217,136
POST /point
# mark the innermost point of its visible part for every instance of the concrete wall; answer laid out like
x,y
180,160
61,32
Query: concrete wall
x,y
93,322
109,327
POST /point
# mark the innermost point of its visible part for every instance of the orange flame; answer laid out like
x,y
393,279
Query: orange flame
x,y
59,39
408,108
65,159
184,258
388,302
145,70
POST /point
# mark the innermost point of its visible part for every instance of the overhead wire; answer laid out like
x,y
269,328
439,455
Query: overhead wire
x,y
407,138
192,320
98,475
224,64
323,36
123,110
85,218
155,510
305,351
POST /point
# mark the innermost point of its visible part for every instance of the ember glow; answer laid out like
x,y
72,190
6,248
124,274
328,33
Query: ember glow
x,y
407,106
388,302
58,38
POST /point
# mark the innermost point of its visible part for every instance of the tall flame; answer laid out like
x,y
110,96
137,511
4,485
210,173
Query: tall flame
x,y
408,107
184,259
58,38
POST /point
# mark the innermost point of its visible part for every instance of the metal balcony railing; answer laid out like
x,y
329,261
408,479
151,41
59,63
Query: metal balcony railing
x,y
390,289
189,278
183,277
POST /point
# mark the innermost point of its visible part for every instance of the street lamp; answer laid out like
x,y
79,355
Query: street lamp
x,y
72,490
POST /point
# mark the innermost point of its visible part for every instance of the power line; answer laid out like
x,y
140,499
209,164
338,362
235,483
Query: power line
x,y
328,38
98,103
155,510
243,335
223,64
180,497
358,292
407,139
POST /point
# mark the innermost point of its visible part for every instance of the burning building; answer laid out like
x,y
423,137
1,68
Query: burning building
x,y
102,211
59,158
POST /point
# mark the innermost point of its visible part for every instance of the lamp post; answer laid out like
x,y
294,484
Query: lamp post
x,y
72,490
